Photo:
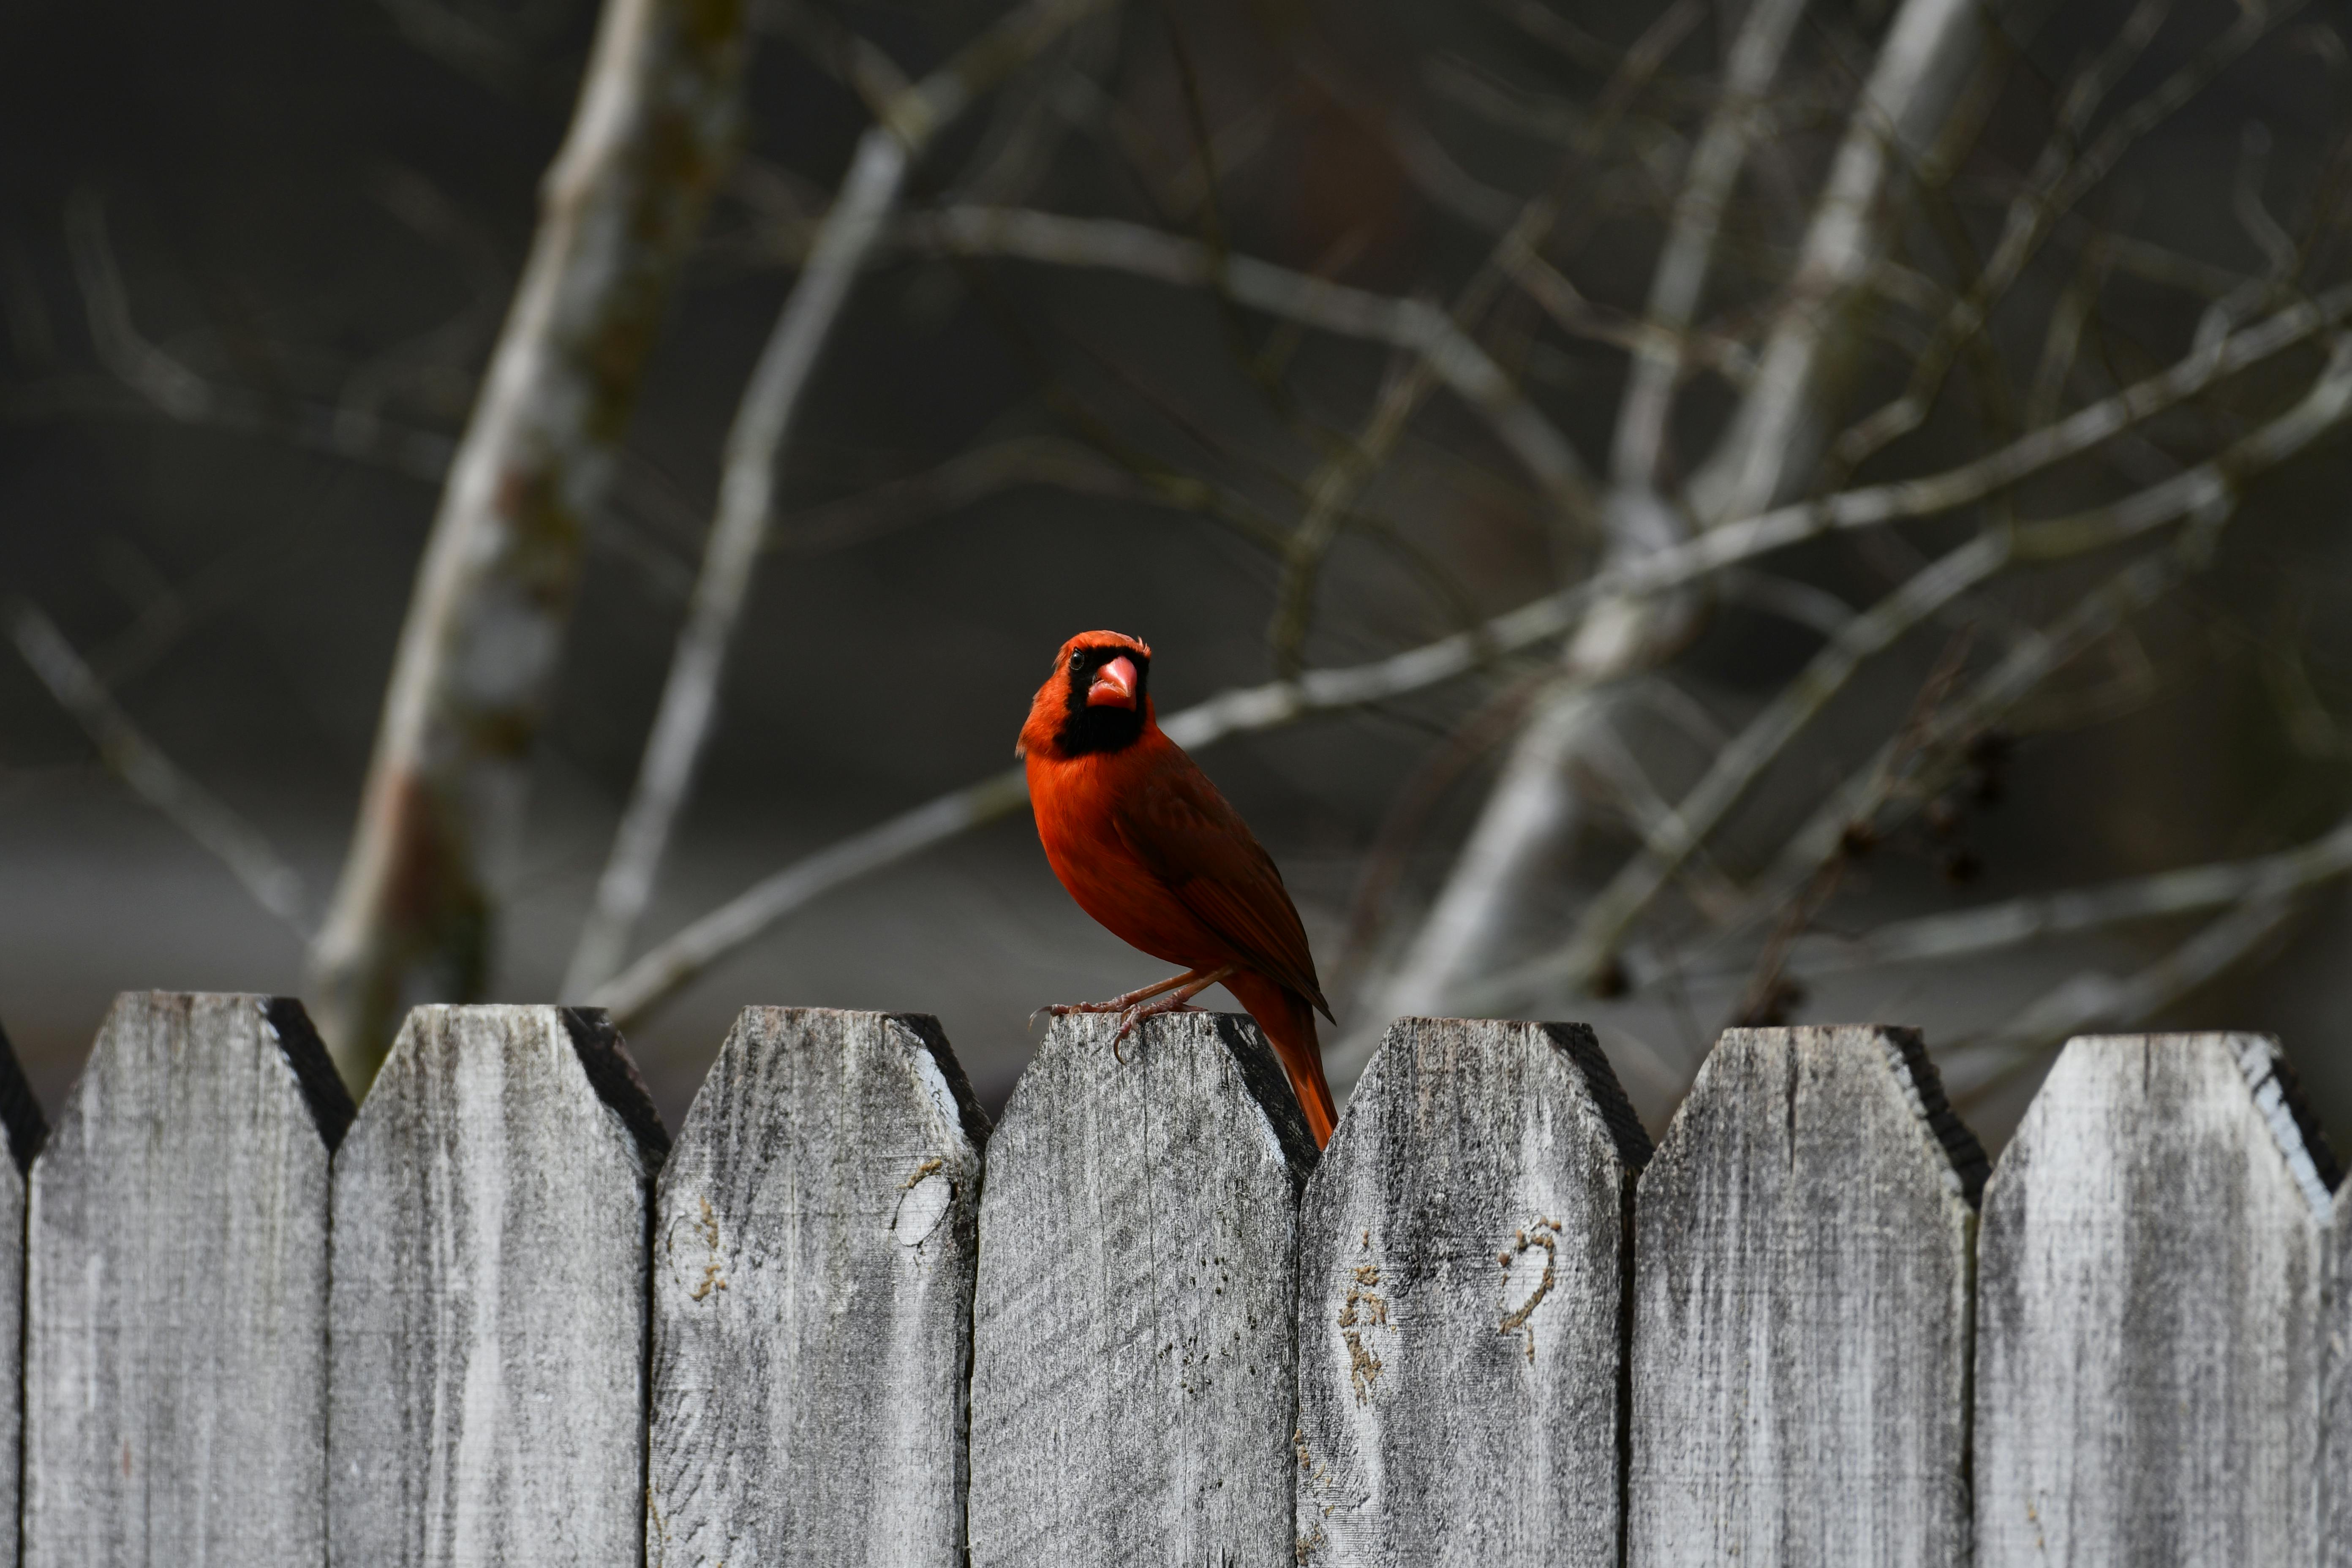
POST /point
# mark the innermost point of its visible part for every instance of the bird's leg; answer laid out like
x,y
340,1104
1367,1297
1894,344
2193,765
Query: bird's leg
x,y
1118,1004
1178,1000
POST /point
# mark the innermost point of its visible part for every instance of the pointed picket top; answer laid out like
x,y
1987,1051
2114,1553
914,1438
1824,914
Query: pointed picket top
x,y
813,1252
176,1294
2151,1275
492,1204
1463,1258
1132,1360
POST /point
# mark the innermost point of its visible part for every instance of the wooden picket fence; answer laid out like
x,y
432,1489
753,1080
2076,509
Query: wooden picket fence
x,y
495,1317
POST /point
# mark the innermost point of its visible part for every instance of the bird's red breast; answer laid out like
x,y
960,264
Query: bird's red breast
x,y
1147,845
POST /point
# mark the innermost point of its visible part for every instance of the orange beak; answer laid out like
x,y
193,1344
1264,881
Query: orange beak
x,y
1114,685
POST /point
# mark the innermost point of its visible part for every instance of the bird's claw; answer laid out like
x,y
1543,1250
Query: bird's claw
x,y
1129,1013
1064,1009
1171,1003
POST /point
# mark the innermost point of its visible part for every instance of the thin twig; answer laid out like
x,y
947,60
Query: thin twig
x,y
2207,495
2064,339
1582,318
1689,248
1739,764
1408,812
1904,109
159,384
275,885
179,393
1992,928
2095,999
1423,329
1330,492
2061,179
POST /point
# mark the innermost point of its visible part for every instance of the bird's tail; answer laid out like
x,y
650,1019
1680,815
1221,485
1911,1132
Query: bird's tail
x,y
1288,1020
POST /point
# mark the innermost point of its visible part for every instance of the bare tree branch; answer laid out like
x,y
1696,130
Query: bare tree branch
x,y
2207,492
2097,1000
179,393
2032,453
355,430
1534,812
1279,703
1416,325
1581,318
2207,496
1738,765
755,445
1689,250
1968,933
275,885
442,807
963,479
2058,181
1931,52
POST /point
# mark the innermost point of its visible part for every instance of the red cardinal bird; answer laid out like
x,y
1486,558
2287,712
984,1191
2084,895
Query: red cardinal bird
x,y
1148,846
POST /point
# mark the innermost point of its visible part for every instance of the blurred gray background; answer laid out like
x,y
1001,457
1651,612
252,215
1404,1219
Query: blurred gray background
x,y
323,201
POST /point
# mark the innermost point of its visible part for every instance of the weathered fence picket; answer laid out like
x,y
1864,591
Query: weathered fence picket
x,y
813,1251
176,1292
2149,1311
492,1207
1132,1394
2336,1391
1140,1321
22,1127
1800,1320
1464,1257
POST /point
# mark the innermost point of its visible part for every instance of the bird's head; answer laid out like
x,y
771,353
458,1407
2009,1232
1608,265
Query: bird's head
x,y
1095,699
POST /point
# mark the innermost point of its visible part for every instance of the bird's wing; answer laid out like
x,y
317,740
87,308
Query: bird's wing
x,y
1198,847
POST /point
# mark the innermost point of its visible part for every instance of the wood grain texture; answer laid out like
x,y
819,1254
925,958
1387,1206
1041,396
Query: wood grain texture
x,y
22,1127
1801,1301
1464,1257
176,1294
2150,1276
1132,1394
2336,1391
492,1207
814,1251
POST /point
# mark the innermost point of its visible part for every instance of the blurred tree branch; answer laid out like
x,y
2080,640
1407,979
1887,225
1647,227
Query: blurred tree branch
x,y
2185,435
141,764
2204,494
907,119
1745,249
2037,917
354,428
412,916
1533,810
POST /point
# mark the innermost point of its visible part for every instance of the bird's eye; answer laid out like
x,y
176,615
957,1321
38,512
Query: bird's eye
x,y
1078,662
